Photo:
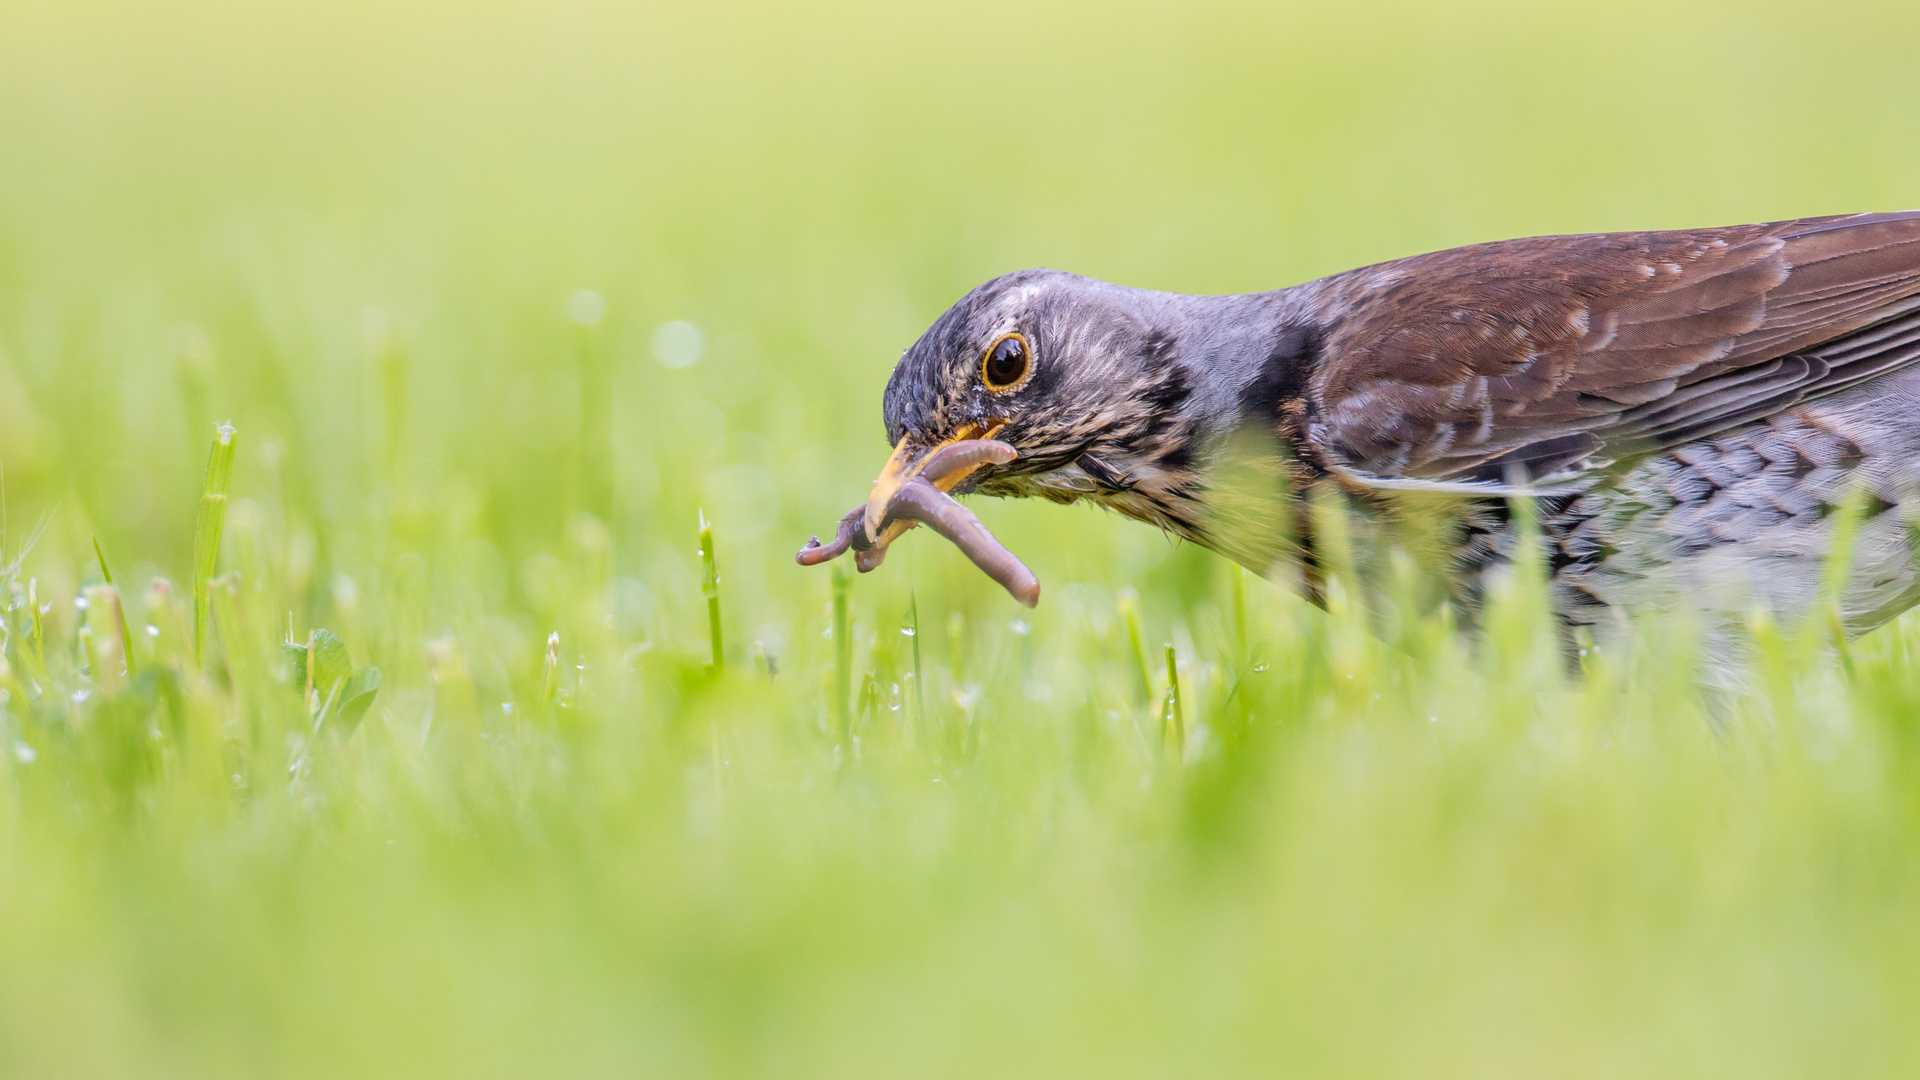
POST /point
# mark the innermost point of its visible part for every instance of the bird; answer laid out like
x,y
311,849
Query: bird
x,y
1675,418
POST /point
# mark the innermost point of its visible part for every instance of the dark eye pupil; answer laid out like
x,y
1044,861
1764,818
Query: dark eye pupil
x,y
1007,362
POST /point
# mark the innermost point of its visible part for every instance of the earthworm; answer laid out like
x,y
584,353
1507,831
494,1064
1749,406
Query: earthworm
x,y
922,502
919,501
851,526
965,454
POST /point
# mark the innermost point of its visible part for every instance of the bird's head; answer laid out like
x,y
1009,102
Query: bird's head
x,y
1080,377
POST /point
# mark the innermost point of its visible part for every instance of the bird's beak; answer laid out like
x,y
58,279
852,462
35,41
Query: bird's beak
x,y
906,462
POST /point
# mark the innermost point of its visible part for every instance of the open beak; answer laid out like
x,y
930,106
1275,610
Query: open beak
x,y
906,463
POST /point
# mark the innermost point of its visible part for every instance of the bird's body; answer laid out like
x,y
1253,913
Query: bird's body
x,y
1685,410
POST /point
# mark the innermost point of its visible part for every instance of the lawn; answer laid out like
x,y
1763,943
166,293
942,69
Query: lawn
x,y
502,300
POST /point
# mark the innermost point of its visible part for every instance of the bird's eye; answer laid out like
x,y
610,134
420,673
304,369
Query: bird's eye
x,y
1006,363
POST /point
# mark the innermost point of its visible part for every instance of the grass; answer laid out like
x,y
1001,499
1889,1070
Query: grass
x,y
206,533
422,752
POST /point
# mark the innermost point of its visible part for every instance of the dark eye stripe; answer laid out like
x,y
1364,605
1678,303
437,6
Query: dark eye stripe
x,y
1007,362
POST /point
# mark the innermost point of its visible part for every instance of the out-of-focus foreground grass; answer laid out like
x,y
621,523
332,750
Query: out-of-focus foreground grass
x,y
497,296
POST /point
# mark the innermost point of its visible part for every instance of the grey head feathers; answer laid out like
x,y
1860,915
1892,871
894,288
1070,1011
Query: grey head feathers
x,y
1129,388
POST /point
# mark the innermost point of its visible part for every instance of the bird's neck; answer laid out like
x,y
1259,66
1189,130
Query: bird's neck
x,y
1241,354
1210,456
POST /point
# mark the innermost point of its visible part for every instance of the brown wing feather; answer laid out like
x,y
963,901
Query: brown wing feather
x,y
1550,352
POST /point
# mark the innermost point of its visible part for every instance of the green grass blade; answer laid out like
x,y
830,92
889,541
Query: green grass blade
x,y
710,585
1130,613
36,651
206,532
919,681
842,651
550,674
1176,709
126,636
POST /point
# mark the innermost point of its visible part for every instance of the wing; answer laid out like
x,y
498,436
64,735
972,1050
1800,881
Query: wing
x,y
1558,354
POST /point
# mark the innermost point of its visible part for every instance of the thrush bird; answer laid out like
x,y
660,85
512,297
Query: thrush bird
x,y
1683,411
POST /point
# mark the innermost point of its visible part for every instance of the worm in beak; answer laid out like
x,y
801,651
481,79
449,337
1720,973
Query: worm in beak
x,y
918,495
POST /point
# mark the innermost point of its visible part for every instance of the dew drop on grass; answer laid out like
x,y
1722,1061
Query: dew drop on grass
x,y
80,603
678,344
152,630
586,308
24,754
81,695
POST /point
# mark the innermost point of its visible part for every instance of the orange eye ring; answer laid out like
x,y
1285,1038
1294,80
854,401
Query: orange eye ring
x,y
1006,364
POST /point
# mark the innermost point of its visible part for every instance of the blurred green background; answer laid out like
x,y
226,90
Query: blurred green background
x,y
499,295
808,186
